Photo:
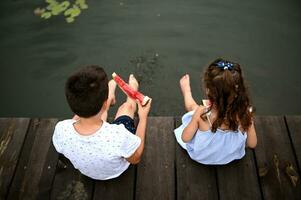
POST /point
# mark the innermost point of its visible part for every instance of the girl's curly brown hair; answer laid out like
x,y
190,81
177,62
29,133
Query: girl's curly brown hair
x,y
229,95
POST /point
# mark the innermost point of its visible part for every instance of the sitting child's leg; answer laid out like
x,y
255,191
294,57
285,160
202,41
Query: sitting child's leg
x,y
126,112
129,106
111,99
189,102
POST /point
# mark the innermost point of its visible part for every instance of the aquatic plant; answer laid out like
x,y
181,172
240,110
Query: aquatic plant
x,y
70,9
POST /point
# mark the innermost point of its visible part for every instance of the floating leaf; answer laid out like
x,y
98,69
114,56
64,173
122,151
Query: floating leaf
x,y
46,15
75,11
83,6
52,6
68,12
70,19
78,2
81,3
49,7
64,5
56,10
52,2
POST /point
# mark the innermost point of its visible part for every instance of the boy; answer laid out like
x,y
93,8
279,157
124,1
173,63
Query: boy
x,y
96,148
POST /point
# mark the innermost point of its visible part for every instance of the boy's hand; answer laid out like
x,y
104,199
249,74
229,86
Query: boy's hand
x,y
143,111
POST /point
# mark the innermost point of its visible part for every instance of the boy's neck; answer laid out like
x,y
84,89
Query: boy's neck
x,y
88,126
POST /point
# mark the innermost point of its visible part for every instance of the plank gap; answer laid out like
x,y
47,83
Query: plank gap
x,y
257,172
93,188
135,182
217,183
175,160
292,145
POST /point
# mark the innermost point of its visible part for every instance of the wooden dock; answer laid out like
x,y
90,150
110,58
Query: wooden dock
x,y
30,168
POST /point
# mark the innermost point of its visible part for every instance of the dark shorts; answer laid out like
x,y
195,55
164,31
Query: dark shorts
x,y
127,122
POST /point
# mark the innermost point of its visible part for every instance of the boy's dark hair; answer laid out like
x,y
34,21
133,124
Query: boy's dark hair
x,y
86,90
227,90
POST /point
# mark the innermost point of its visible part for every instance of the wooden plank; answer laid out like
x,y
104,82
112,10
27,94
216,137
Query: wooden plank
x,y
194,180
243,178
33,161
48,173
122,187
156,171
273,152
12,134
294,126
69,183
124,184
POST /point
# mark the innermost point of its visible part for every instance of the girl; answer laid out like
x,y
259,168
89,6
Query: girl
x,y
218,133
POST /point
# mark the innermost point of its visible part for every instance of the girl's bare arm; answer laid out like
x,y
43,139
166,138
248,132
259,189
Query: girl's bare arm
x,y
251,136
192,127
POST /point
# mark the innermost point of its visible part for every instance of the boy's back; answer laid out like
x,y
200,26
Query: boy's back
x,y
100,155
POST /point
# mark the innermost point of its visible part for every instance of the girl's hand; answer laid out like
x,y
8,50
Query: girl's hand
x,y
198,113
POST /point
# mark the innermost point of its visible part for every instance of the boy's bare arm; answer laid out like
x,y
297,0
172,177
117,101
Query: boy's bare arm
x,y
140,132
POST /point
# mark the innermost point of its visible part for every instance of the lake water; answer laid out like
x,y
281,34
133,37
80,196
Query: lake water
x,y
158,41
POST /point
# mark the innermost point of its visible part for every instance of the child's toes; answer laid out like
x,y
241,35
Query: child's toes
x,y
112,87
133,82
185,83
184,80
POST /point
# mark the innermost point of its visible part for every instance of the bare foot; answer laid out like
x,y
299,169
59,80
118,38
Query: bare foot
x,y
111,97
189,102
185,84
133,82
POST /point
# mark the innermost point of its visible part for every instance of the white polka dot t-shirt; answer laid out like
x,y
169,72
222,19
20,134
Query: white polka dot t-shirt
x,y
100,155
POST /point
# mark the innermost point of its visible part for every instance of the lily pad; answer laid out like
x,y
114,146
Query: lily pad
x,y
68,11
50,1
75,11
46,15
70,19
83,6
64,5
56,10
71,9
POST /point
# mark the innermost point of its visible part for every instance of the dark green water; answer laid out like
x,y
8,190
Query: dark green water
x,y
159,41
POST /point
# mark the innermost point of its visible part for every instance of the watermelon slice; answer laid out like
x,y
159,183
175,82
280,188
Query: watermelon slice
x,y
206,103
128,90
